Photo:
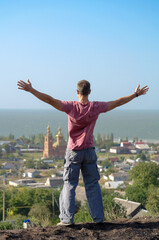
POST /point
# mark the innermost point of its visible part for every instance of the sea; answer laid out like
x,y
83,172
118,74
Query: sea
x,y
143,124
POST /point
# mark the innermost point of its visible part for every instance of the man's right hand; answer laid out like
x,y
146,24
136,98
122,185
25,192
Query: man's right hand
x,y
141,91
25,86
42,96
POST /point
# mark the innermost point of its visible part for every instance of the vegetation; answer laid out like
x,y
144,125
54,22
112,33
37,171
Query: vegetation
x,y
104,142
112,210
38,164
6,225
144,176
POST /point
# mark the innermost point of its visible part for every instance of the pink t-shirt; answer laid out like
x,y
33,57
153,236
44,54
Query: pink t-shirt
x,y
81,122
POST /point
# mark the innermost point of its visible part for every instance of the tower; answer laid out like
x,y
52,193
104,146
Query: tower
x,y
48,141
59,147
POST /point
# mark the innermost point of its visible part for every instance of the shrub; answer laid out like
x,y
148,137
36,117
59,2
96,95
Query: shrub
x,y
6,225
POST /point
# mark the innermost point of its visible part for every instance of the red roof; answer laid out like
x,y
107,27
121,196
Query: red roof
x,y
114,159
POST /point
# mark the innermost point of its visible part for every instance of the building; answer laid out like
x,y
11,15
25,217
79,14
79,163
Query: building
x,y
113,184
54,182
114,160
132,208
120,176
141,146
124,150
125,144
50,183
57,149
31,173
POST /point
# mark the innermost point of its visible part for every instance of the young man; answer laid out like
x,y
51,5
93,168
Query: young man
x,y
80,152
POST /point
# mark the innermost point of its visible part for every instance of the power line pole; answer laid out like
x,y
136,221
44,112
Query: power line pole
x,y
53,204
3,205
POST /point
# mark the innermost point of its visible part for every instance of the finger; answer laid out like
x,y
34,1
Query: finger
x,y
138,86
21,84
144,87
20,88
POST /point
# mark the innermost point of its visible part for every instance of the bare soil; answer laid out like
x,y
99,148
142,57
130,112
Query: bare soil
x,y
143,229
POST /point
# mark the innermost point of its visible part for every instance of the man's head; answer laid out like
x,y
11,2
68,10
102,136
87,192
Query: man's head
x,y
83,88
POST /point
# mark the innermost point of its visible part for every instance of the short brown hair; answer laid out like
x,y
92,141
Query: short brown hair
x,y
83,87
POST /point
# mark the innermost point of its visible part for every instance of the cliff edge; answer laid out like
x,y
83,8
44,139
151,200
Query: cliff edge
x,y
142,229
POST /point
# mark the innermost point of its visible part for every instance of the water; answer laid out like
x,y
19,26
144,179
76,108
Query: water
x,y
122,123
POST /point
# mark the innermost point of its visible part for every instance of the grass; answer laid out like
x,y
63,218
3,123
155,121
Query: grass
x,y
32,155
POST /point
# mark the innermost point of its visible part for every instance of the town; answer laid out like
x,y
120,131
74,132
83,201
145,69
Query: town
x,y
37,163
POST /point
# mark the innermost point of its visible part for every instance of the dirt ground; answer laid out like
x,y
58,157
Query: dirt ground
x,y
144,229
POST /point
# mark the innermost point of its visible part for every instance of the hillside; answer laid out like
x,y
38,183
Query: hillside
x,y
143,229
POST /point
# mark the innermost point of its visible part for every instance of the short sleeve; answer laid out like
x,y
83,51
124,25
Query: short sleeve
x,y
102,106
67,106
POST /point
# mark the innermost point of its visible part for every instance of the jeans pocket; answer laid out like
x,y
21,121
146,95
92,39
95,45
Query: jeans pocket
x,y
71,173
90,156
72,156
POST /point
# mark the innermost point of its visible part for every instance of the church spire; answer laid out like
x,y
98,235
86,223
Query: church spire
x,y
48,130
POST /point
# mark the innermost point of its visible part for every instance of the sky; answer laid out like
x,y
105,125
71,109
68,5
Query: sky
x,y
114,44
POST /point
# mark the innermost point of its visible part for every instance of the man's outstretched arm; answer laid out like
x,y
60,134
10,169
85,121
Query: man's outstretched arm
x,y
42,96
124,100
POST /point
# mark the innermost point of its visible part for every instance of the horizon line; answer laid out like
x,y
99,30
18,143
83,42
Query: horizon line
x,y
51,108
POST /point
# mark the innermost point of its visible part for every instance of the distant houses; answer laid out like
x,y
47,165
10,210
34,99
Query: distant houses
x,y
129,148
141,146
119,176
31,173
50,183
113,185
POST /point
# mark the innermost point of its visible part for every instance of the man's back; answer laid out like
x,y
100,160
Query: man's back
x,y
81,122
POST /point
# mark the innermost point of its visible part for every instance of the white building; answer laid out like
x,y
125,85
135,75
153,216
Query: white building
x,y
120,176
113,185
31,173
141,146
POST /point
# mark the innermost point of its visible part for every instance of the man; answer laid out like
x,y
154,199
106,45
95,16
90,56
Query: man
x,y
80,152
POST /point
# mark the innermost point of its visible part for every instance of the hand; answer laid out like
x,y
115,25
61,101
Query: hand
x,y
25,86
141,91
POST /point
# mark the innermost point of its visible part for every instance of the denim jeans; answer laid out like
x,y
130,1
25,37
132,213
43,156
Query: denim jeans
x,y
86,160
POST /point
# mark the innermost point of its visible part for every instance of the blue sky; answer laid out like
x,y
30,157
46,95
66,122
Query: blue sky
x,y
114,44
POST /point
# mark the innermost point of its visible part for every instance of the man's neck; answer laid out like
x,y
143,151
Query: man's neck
x,y
83,99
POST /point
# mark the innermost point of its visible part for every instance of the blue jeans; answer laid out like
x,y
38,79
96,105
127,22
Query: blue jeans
x,y
86,160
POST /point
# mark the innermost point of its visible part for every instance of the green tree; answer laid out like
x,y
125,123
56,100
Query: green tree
x,y
22,197
111,138
99,140
7,148
30,163
39,139
11,137
144,175
152,204
32,139
40,212
1,154
103,145
141,156
41,165
137,193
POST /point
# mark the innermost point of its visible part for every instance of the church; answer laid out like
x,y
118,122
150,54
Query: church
x,y
56,149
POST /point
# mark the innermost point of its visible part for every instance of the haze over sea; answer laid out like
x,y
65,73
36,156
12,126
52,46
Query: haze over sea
x,y
122,123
